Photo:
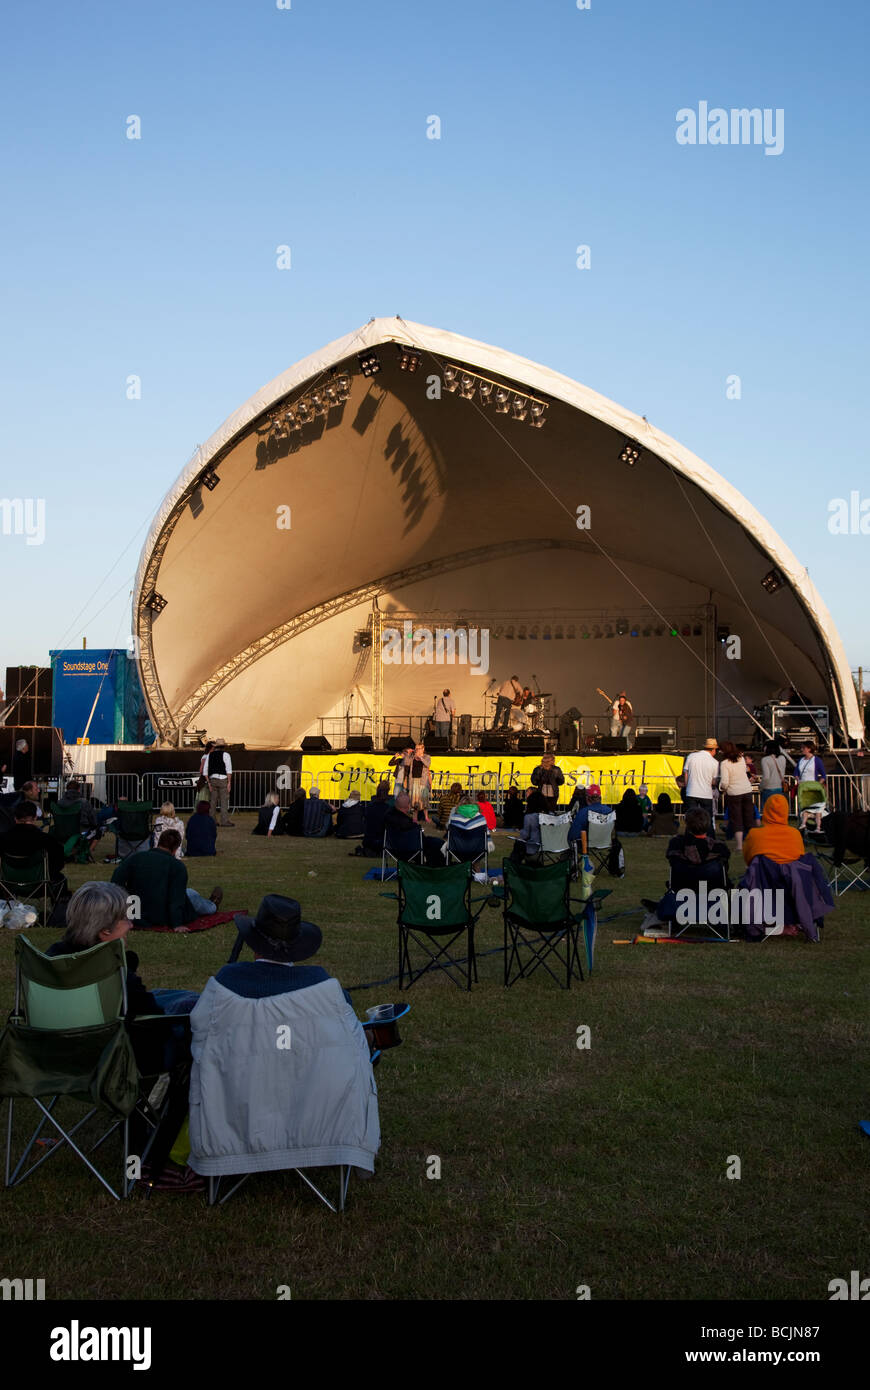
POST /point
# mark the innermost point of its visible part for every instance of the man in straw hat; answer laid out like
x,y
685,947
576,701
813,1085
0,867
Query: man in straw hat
x,y
701,780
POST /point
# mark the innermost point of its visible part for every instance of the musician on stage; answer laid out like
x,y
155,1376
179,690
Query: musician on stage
x,y
621,718
509,693
444,712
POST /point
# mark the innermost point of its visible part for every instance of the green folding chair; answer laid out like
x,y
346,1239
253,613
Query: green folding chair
x,y
540,928
26,879
435,912
66,827
132,827
66,1039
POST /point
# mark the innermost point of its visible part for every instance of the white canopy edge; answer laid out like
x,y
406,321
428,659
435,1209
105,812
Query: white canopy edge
x,y
448,346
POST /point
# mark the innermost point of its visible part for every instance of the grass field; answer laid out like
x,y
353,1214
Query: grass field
x,y
559,1167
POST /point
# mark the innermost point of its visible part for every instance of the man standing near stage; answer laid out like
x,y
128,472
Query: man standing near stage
x,y
507,693
547,778
444,712
217,767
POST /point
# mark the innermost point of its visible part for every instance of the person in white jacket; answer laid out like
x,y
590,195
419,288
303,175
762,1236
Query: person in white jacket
x,y
734,782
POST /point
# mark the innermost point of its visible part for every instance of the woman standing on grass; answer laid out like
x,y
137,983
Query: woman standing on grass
x,y
420,782
734,782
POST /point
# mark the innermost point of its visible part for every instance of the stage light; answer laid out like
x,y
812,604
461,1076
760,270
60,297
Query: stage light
x,y
303,412
660,632
596,631
723,632
522,633
621,627
674,632
697,630
409,359
547,634
369,363
467,387
687,631
510,634
497,633
281,431
608,631
156,602
485,389
343,383
772,581
630,452
571,633
537,411
210,479
519,408
534,633
635,632
585,633
502,401
319,404
330,391
451,379
559,634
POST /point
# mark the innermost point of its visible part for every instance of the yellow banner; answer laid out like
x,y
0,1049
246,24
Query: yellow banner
x,y
336,774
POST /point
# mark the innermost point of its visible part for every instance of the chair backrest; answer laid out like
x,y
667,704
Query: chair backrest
x,y
76,991
599,829
66,821
24,870
538,895
466,842
435,900
401,844
554,832
134,820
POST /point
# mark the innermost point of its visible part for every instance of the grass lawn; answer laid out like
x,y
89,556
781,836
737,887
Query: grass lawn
x,y
559,1167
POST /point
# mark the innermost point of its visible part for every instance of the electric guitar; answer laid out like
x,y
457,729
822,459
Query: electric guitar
x,y
625,718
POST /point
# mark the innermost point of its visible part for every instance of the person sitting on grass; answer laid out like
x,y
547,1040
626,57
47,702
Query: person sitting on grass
x,y
201,832
269,821
629,816
663,820
316,816
168,820
513,809
447,802
349,823
374,815
693,856
294,815
159,881
774,838
644,803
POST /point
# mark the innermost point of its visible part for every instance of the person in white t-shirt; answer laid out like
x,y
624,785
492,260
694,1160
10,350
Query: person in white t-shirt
x,y
701,774
444,712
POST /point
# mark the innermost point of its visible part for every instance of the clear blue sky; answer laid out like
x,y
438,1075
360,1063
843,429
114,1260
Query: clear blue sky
x,y
307,127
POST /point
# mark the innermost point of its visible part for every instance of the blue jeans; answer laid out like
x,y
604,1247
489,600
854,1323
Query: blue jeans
x,y
442,729
176,1001
201,906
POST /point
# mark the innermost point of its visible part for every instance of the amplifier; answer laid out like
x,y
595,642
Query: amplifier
x,y
663,732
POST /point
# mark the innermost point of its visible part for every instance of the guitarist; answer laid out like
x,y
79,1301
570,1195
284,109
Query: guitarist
x,y
621,716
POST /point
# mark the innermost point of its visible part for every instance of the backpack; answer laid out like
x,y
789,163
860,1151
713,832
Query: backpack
x,y
616,860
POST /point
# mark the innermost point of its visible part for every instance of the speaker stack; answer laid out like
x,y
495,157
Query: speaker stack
x,y
360,743
397,743
647,743
569,731
316,743
531,743
495,742
463,731
433,743
606,743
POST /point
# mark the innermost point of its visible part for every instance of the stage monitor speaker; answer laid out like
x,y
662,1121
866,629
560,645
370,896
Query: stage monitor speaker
x,y
397,743
494,743
316,743
531,743
360,743
463,731
647,743
606,743
569,731
433,743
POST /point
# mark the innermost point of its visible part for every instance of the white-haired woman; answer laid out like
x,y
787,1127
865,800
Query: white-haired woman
x,y
99,912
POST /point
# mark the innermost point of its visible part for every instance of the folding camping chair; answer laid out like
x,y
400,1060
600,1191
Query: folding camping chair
x,y
599,837
468,845
402,847
538,921
555,845
435,907
715,874
811,797
66,826
132,828
67,1038
26,878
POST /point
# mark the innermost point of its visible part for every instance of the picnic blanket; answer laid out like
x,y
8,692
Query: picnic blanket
x,y
214,919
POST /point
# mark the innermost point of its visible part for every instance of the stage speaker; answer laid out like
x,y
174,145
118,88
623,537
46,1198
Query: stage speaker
x,y
45,683
13,682
531,743
46,750
463,731
494,743
569,731
605,743
434,744
647,743
43,711
397,743
316,743
360,743
25,711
